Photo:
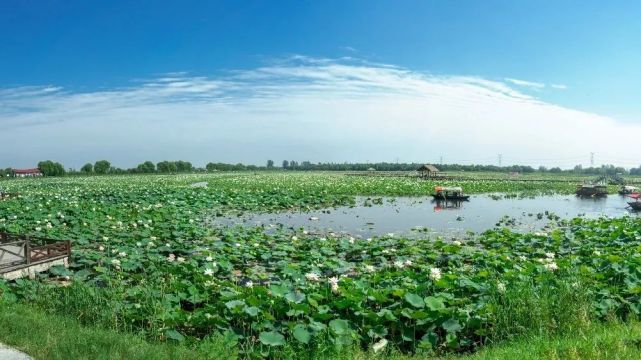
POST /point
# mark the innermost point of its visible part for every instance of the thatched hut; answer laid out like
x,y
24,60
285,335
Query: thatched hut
x,y
427,171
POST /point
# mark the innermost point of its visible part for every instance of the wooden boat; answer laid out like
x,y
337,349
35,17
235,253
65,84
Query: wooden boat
x,y
626,190
449,193
591,190
636,204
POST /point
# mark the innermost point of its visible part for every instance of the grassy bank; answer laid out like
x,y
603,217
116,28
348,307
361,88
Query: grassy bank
x,y
47,336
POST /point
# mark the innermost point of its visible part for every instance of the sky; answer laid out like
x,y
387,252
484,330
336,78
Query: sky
x,y
540,82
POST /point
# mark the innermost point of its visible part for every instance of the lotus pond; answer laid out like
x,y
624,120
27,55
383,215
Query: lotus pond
x,y
145,259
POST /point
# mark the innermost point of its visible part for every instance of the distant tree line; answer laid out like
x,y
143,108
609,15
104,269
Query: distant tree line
x,y
51,168
147,167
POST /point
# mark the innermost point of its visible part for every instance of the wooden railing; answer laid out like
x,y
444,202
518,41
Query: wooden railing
x,y
39,253
21,250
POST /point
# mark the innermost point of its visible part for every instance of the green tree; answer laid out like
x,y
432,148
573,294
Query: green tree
x,y
167,167
183,166
50,168
101,166
270,164
147,167
285,164
87,168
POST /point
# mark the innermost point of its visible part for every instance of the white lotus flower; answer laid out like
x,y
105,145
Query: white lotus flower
x,y
501,287
380,345
312,276
551,266
209,272
435,274
333,281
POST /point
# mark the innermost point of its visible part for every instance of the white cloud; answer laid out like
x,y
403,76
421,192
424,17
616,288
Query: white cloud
x,y
525,83
559,86
303,109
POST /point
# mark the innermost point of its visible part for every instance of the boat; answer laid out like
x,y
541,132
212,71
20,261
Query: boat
x,y
449,193
636,204
591,190
627,189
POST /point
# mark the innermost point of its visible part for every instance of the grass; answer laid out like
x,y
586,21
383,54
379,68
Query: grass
x,y
598,341
46,336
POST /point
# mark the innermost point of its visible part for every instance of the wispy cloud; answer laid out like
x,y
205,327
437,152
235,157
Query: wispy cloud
x,y
303,109
559,86
525,83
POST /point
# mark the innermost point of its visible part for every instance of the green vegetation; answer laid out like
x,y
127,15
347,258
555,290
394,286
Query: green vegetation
x,y
145,262
46,336
50,168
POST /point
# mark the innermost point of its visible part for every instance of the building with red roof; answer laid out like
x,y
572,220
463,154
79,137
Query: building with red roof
x,y
26,172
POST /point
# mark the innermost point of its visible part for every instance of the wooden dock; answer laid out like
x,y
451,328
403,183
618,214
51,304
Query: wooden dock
x,y
25,256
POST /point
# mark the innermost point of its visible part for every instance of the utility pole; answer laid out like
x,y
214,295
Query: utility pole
x,y
591,159
500,159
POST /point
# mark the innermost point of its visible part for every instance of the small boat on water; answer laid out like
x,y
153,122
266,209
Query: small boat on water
x,y
636,204
449,193
627,189
591,190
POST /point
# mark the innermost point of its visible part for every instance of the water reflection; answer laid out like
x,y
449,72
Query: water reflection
x,y
440,205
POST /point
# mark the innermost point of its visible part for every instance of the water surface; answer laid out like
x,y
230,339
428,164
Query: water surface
x,y
380,216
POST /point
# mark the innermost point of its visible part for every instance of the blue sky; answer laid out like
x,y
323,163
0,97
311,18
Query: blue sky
x,y
581,56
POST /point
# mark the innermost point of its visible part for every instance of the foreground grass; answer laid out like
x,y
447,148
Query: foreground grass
x,y
46,336
603,341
